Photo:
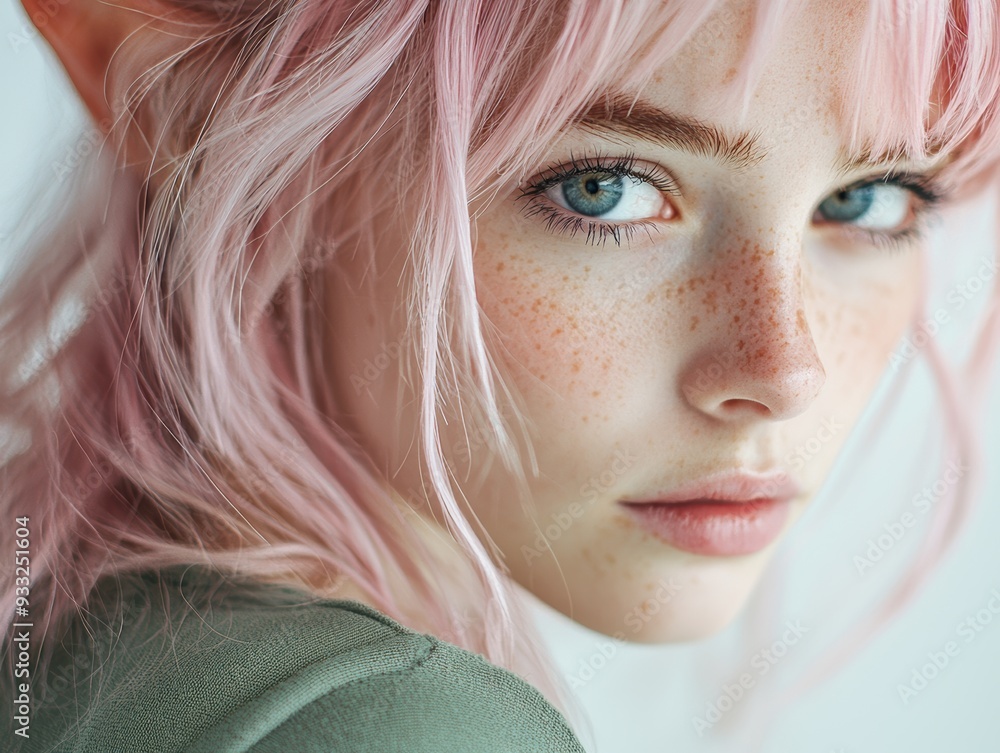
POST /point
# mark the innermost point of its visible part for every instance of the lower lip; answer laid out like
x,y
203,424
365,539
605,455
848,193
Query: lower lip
x,y
711,528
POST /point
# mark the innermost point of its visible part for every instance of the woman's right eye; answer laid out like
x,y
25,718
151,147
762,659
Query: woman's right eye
x,y
601,198
608,196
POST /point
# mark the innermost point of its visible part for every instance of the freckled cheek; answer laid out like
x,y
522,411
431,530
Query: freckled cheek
x,y
554,337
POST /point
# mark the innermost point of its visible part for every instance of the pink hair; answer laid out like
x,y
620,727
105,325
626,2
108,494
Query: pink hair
x,y
182,417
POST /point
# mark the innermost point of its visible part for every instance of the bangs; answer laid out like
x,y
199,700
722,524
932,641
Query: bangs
x,y
928,77
920,83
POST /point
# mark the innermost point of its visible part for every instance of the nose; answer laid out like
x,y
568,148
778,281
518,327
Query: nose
x,y
759,358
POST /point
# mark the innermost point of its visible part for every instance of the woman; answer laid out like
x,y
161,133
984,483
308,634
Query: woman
x,y
385,306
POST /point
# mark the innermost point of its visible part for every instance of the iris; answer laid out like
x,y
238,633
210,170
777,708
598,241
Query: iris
x,y
593,194
848,206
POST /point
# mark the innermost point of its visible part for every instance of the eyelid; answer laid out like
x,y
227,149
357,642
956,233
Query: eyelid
x,y
924,185
929,193
627,165
561,220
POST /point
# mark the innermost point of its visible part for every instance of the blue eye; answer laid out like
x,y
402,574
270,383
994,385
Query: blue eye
x,y
879,206
593,194
848,206
608,195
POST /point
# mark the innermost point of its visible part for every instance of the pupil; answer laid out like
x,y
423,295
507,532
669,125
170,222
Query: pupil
x,y
593,186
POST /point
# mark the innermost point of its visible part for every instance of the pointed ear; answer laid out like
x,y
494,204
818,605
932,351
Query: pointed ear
x,y
85,34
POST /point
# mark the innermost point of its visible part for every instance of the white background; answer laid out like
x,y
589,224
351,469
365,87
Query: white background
x,y
643,698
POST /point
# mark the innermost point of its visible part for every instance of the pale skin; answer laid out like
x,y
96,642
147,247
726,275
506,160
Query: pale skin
x,y
732,330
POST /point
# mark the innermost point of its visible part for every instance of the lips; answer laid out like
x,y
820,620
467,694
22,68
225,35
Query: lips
x,y
727,514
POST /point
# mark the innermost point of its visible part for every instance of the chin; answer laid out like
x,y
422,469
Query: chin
x,y
690,603
693,618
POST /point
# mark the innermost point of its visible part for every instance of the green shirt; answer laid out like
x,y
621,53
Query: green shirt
x,y
183,659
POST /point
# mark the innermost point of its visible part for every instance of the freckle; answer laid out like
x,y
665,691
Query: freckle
x,y
587,270
500,267
586,418
709,300
537,304
736,318
739,346
557,332
800,317
565,278
694,322
610,558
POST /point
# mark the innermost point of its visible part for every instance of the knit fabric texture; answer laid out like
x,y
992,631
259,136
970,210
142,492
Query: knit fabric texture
x,y
184,659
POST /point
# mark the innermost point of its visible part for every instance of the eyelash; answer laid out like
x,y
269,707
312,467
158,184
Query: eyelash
x,y
559,220
930,195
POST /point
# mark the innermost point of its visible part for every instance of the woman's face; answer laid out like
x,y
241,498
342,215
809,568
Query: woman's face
x,y
671,299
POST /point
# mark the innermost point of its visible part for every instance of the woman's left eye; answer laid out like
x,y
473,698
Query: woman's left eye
x,y
607,196
880,207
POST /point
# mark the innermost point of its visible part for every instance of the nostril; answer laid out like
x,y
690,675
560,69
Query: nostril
x,y
736,406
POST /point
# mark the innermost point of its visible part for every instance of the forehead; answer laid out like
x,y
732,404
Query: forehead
x,y
735,92
775,49
731,71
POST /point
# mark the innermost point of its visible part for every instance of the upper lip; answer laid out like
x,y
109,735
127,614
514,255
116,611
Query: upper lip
x,y
728,486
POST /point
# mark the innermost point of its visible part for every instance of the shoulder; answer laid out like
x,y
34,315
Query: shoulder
x,y
192,662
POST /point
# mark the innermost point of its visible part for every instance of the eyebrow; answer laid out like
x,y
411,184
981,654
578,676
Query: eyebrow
x,y
739,151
